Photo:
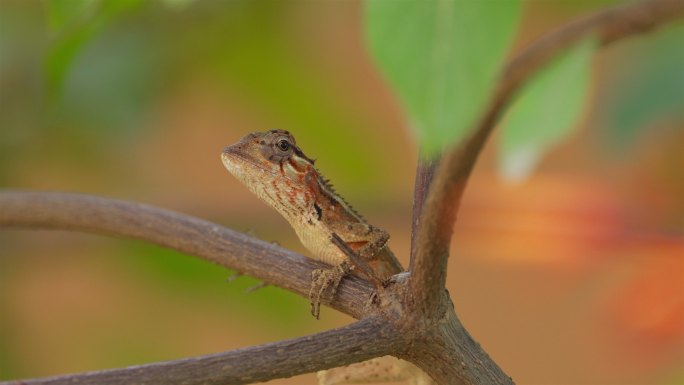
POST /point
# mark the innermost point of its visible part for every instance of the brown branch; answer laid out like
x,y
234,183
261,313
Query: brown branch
x,y
364,339
429,261
425,171
450,347
268,262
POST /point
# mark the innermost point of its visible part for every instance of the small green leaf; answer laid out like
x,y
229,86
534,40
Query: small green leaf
x,y
442,58
545,111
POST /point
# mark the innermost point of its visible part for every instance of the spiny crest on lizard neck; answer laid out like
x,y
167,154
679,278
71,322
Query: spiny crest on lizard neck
x,y
274,168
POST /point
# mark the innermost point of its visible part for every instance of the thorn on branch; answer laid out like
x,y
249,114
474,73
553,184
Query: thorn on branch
x,y
256,287
233,277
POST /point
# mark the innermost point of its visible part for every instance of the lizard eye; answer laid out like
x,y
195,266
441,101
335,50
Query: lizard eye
x,y
283,145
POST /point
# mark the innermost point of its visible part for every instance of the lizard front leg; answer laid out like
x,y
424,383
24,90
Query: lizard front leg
x,y
326,280
370,244
360,245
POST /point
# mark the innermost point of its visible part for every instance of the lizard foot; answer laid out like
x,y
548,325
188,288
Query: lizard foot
x,y
324,283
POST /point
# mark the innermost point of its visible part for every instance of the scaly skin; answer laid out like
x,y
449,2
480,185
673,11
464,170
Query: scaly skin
x,y
272,166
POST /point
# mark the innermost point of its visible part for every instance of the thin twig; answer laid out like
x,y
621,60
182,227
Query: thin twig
x,y
363,339
263,260
429,261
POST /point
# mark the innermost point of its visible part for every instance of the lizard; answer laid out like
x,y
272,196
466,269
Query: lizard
x,y
275,169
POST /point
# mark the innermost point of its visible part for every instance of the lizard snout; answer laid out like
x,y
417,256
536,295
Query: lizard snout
x,y
234,149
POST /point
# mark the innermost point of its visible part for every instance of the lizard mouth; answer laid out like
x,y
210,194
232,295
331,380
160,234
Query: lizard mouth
x,y
230,164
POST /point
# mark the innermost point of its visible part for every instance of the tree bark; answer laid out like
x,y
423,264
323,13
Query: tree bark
x,y
364,339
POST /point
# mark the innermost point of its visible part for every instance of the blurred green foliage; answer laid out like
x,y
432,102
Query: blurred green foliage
x,y
643,92
179,275
252,58
545,111
108,64
7,361
103,70
442,58
73,23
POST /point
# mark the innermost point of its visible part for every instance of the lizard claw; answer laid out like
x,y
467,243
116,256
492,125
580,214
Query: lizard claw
x,y
324,284
315,295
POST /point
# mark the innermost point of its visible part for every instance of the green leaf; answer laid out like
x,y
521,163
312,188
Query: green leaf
x,y
545,111
442,58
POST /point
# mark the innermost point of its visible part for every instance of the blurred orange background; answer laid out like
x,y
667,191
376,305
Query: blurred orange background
x,y
575,276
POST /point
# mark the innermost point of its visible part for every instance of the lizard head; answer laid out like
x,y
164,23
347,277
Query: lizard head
x,y
267,160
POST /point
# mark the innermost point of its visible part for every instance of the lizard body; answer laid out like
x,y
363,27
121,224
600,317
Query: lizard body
x,y
275,169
